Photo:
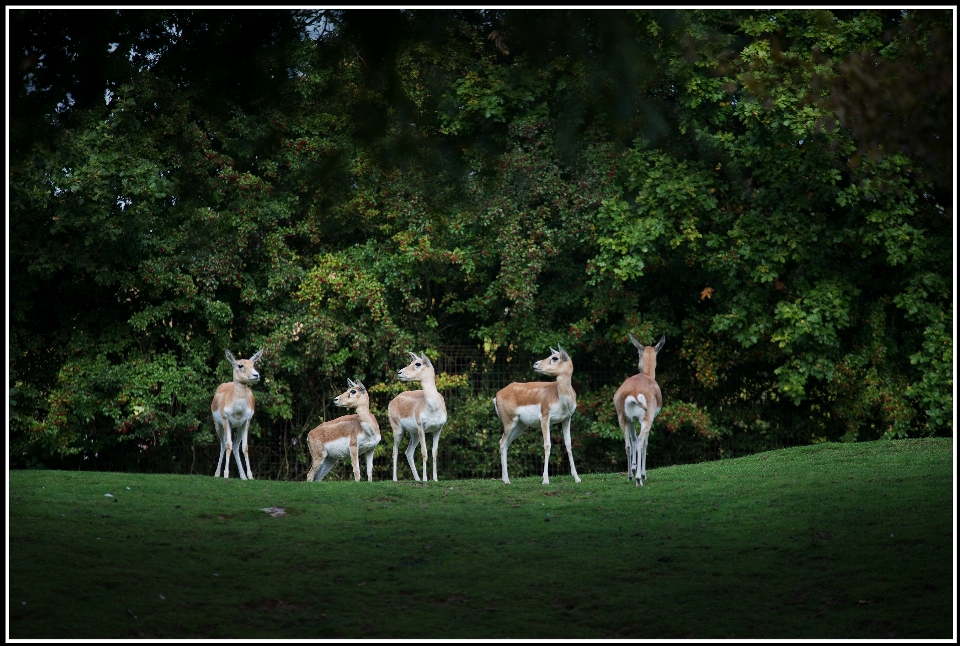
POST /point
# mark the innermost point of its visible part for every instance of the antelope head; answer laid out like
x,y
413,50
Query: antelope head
x,y
415,370
648,354
353,397
244,371
557,363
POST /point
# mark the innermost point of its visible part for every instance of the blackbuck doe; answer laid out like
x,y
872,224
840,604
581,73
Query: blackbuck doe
x,y
346,436
232,407
637,402
539,403
417,412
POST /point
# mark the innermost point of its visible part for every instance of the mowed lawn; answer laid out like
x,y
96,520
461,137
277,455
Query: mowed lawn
x,y
833,541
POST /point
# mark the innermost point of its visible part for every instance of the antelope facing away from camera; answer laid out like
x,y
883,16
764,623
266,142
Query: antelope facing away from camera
x,y
417,412
232,407
637,402
539,403
345,437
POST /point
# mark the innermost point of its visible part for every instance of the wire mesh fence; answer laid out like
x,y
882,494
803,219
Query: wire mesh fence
x,y
469,442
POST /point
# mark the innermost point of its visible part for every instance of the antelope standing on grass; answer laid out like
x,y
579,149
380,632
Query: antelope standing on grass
x,y
417,412
345,437
539,403
637,402
232,407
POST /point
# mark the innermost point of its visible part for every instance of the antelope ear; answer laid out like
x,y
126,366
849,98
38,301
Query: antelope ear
x,y
255,358
552,351
359,386
426,359
230,358
636,344
413,356
563,353
663,339
350,383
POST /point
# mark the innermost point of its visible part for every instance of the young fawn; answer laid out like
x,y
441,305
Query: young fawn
x,y
346,436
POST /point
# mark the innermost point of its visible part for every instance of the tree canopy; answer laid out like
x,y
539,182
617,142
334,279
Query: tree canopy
x,y
770,189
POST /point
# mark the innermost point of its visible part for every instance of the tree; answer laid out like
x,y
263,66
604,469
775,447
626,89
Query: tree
x,y
340,187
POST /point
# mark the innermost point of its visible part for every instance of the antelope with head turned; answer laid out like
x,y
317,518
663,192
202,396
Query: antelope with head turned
x,y
539,403
345,437
637,402
417,412
232,407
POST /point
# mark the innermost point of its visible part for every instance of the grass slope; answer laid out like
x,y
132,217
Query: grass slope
x,y
829,541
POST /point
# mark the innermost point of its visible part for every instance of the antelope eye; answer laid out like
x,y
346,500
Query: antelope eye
x,y
554,358
417,365
241,368
353,392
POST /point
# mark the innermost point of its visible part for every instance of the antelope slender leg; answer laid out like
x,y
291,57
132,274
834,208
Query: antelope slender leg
x,y
326,466
223,446
246,451
423,449
411,448
229,447
236,456
567,443
397,436
355,461
545,427
509,435
436,442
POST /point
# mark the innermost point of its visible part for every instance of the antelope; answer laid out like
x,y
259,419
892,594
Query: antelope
x,y
232,407
345,436
539,403
637,402
417,412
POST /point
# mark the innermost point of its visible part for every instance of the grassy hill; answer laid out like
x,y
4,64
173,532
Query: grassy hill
x,y
834,541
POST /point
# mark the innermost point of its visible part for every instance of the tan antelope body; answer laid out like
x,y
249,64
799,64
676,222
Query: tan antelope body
x,y
345,437
539,404
417,412
232,407
637,402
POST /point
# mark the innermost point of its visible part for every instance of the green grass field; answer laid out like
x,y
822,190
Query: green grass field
x,y
833,541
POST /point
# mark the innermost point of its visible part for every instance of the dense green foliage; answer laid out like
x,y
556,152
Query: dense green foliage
x,y
827,542
340,187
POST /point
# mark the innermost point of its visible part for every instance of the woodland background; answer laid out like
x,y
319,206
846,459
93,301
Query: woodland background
x,y
772,190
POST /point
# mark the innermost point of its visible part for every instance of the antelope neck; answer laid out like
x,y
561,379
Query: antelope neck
x,y
240,388
429,387
564,386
